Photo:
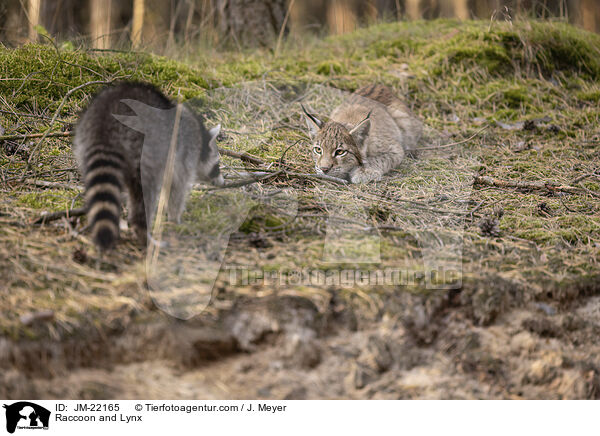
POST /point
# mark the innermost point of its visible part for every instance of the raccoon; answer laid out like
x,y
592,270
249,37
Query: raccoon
x,y
365,137
122,143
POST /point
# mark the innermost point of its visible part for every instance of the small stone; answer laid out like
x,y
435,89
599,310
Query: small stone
x,y
380,354
544,370
542,326
571,385
30,318
523,341
303,353
547,309
264,392
298,393
362,376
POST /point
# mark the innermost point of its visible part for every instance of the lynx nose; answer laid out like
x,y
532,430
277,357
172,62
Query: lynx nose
x,y
325,169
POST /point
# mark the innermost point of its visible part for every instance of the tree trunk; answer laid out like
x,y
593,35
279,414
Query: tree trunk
x,y
413,9
340,17
588,14
461,9
251,22
100,23
33,13
138,22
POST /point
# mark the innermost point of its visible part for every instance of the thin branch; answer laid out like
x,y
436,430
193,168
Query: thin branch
x,y
547,186
57,112
286,150
242,156
35,135
47,184
70,213
476,208
285,20
584,176
324,177
431,147
245,182
19,114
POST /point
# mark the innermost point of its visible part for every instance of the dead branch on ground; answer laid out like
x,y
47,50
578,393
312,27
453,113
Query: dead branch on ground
x,y
545,186
53,216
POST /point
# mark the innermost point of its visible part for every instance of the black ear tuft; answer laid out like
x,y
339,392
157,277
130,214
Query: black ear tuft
x,y
313,123
314,119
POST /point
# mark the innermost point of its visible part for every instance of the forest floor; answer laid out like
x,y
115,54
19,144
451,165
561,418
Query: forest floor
x,y
504,194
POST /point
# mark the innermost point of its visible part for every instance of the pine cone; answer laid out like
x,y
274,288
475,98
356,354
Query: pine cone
x,y
490,226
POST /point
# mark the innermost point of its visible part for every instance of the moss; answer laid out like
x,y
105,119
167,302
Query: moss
x,y
564,47
47,200
50,74
539,236
516,96
395,48
330,68
589,96
262,223
578,225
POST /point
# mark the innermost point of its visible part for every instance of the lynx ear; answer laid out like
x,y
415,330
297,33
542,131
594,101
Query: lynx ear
x,y
361,131
214,132
313,123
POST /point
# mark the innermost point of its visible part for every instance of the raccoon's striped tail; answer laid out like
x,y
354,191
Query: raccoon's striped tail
x,y
103,187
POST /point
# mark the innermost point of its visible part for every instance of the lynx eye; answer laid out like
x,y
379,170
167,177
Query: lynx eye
x,y
318,150
340,152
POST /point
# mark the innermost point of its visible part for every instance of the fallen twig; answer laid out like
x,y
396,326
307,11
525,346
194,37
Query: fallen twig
x,y
585,176
265,176
47,184
35,135
245,182
319,177
476,208
242,156
53,216
30,318
19,114
432,147
547,186
286,150
57,112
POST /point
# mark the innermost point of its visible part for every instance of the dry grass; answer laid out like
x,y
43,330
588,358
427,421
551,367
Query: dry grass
x,y
547,245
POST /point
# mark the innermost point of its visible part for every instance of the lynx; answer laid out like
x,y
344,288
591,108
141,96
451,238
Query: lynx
x,y
365,137
122,142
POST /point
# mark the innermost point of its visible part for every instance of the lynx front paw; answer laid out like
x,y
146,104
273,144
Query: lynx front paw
x,y
361,175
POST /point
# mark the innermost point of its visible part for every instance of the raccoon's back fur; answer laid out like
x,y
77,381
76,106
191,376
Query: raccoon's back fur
x,y
122,143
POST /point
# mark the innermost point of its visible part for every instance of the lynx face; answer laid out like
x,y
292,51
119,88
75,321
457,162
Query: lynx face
x,y
336,150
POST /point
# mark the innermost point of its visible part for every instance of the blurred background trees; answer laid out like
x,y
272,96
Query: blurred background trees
x,y
163,23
